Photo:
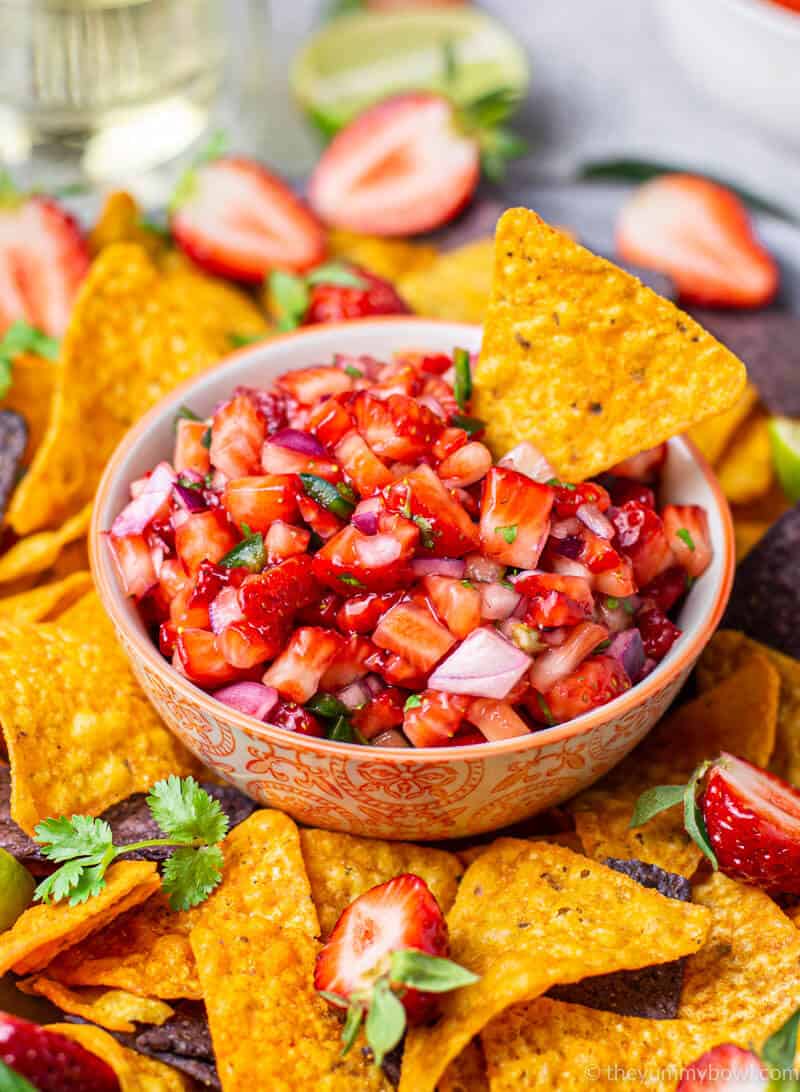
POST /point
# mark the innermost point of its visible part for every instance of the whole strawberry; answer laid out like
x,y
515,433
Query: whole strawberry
x,y
48,1061
385,961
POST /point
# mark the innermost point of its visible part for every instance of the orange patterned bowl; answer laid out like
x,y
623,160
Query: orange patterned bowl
x,y
406,793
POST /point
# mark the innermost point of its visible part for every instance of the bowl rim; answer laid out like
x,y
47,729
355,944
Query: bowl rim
x,y
765,12
119,609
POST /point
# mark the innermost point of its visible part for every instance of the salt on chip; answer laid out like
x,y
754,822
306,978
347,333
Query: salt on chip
x,y
457,286
341,867
37,552
727,651
135,1072
269,1026
33,380
129,342
529,916
586,362
712,436
738,716
746,472
114,1010
44,930
45,602
80,732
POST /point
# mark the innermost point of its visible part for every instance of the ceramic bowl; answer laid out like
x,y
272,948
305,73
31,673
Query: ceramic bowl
x,y
402,793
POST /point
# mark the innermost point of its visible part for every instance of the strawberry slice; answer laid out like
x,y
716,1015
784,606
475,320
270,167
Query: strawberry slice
x,y
236,219
700,234
725,1068
43,259
515,517
400,168
49,1061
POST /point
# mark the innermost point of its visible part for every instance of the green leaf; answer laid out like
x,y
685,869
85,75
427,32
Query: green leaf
x,y
655,800
386,1020
186,812
190,875
91,882
355,1016
185,414
497,147
239,341
780,1049
336,273
413,701
693,816
434,974
325,493
21,337
6,376
327,706
342,731
685,536
462,387
13,1082
354,373
250,554
216,146
81,836
290,296
351,581
334,998
508,533
472,425
205,439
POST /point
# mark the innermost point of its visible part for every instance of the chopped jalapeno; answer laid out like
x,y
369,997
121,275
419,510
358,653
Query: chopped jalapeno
x,y
326,494
248,554
462,386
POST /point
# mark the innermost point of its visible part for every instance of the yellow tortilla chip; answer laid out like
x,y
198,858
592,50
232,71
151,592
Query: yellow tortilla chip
x,y
727,651
583,360
739,716
747,976
712,437
115,1010
46,601
222,313
530,915
136,1072
80,733
30,394
129,342
44,930
746,471
37,552
389,258
467,1072
121,221
748,533
457,286
341,867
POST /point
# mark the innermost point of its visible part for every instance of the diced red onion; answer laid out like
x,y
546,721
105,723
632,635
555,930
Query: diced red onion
x,y
563,528
439,566
252,698
566,566
192,500
365,517
483,569
354,695
295,440
521,608
390,738
593,518
377,551
628,649
557,662
433,404
485,665
225,609
615,619
374,683
498,602
528,460
137,515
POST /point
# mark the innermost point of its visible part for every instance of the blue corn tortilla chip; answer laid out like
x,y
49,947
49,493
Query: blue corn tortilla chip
x,y
765,602
652,993
768,342
13,440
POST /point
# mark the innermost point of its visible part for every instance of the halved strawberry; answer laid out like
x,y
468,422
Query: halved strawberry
x,y
397,428
258,501
43,259
596,681
400,168
237,435
687,531
297,671
725,1068
234,218
448,530
433,717
515,517
49,1061
412,632
457,603
700,234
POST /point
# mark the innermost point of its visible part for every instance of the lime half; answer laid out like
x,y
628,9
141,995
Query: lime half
x,y
360,58
784,435
16,889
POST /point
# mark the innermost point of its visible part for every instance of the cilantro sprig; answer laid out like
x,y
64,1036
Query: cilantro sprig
x,y
192,821
662,797
20,338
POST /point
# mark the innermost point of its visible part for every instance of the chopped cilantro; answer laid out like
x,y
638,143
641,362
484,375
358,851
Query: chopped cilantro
x,y
353,581
558,484
467,584
354,373
509,533
683,533
413,701
205,439
198,486
612,603
426,531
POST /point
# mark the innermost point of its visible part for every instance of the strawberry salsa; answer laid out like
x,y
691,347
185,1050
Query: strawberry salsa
x,y
339,555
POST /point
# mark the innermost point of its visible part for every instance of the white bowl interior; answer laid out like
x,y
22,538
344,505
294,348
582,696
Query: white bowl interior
x,y
684,481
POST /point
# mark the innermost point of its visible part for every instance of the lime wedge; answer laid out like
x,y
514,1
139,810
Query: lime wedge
x,y
784,436
360,58
16,889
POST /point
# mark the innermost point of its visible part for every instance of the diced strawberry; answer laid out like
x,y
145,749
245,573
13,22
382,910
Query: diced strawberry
x,y
569,498
623,490
167,636
395,916
245,645
237,435
466,466
496,719
667,588
449,442
361,613
449,530
332,302
297,671
239,220
277,459
618,581
204,536
209,582
274,405
351,561
134,563
191,453
294,718
290,585
458,604
642,467
397,428
466,737
284,541
224,610
596,681
597,553
699,233
330,420
658,633
686,528
308,385
725,1068
383,712
43,259
198,656
172,578
361,465
323,611
562,659
555,600
50,1062
258,501
434,718
319,519
412,632
515,517
442,391
184,612
349,664
399,377
640,536
396,671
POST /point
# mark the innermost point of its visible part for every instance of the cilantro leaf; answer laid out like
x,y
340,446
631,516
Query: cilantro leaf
x,y
186,812
11,1081
386,1020
684,534
336,273
413,701
509,533
62,839
190,875
91,882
